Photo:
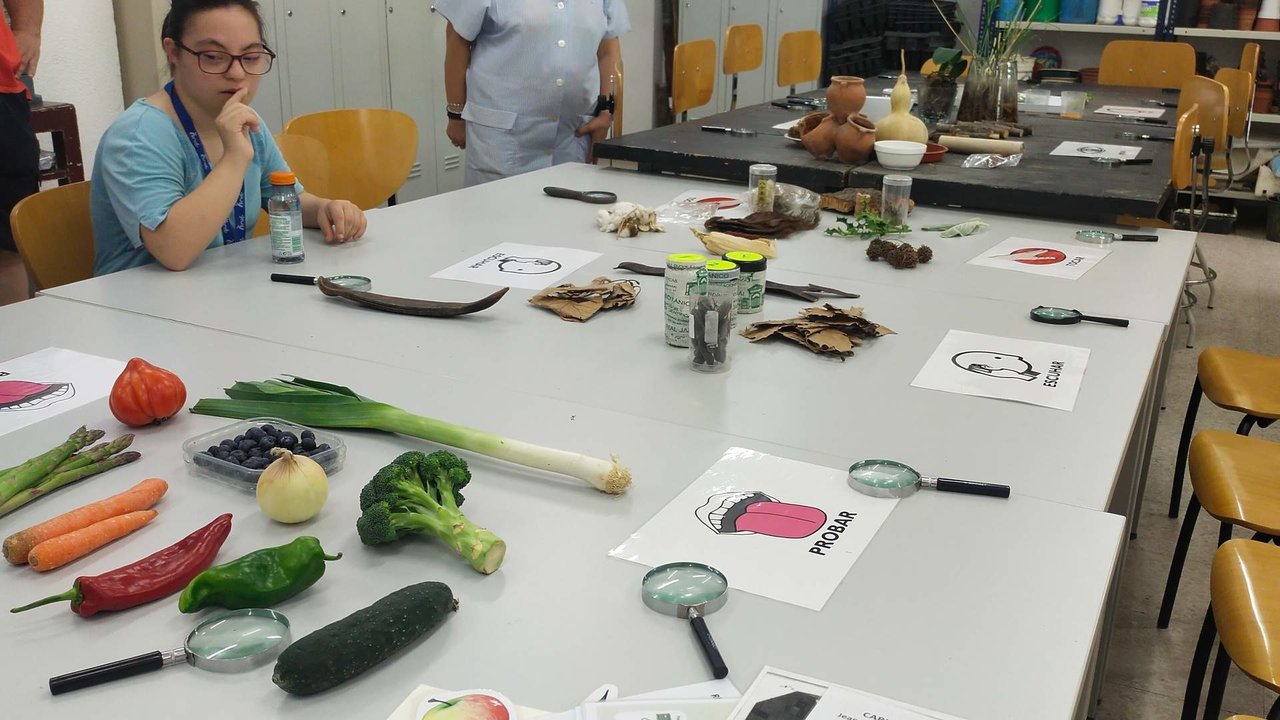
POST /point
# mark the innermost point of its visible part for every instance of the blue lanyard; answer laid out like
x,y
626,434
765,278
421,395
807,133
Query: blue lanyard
x,y
233,230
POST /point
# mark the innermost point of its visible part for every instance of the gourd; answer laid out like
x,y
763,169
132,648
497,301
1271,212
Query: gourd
x,y
900,124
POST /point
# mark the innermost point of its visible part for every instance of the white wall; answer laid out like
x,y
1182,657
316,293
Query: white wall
x,y
638,51
79,64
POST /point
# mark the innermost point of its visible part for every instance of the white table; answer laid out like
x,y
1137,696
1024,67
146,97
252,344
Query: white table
x,y
863,407
981,608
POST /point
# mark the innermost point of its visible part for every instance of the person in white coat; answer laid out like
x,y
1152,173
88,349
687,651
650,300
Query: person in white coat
x,y
529,82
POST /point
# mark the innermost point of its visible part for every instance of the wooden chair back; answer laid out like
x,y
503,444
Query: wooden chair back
x,y
929,67
743,49
1215,101
308,158
1146,63
1239,85
693,75
1246,607
371,149
1183,172
799,57
54,234
1249,58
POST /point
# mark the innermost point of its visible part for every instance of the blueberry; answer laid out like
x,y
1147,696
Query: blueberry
x,y
287,441
254,433
212,449
270,430
222,454
246,445
228,444
267,442
308,434
321,448
255,452
238,457
307,443
255,463
238,439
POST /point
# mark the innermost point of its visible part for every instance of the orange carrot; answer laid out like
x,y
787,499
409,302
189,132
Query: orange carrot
x,y
139,497
59,551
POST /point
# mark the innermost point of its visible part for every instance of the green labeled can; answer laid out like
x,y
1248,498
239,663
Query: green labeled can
x,y
751,272
258,580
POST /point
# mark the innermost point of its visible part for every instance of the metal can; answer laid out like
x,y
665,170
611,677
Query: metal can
x,y
684,272
751,272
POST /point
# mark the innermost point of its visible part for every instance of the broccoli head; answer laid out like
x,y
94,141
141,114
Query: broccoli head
x,y
419,494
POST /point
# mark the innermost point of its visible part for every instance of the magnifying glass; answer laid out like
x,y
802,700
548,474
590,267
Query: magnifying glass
x,y
892,479
596,197
1103,237
351,282
1067,316
230,642
689,590
739,132
1117,162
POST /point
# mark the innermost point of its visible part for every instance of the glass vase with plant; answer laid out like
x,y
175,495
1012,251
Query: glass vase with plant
x,y
939,96
992,49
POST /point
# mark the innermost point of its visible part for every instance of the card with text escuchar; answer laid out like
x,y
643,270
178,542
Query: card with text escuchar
x,y
775,527
532,267
49,382
1042,257
1027,371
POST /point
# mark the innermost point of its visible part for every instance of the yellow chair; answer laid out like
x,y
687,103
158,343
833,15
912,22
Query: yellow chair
x,y
743,52
693,76
1214,100
1244,610
1249,58
1233,479
929,67
1233,380
1239,107
54,235
799,58
1146,63
374,149
309,160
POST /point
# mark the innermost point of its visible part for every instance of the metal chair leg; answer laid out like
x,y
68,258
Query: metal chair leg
x,y
1274,712
1184,446
1217,684
1189,301
1175,564
1199,663
1209,273
1246,425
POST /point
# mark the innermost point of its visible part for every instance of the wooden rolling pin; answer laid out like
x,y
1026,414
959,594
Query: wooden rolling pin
x,y
981,145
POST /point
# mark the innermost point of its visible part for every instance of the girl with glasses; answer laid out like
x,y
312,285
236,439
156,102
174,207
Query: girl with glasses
x,y
188,167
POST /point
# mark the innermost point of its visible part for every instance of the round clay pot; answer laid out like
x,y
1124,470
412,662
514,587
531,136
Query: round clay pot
x,y
845,96
820,141
809,122
855,139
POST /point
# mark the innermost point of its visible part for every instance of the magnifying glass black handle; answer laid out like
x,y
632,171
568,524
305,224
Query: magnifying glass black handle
x,y
718,669
295,279
973,488
1118,322
1139,238
117,670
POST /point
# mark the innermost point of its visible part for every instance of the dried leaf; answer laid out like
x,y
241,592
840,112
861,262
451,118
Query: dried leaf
x,y
828,330
578,303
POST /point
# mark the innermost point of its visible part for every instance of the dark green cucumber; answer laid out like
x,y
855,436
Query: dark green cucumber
x,y
342,650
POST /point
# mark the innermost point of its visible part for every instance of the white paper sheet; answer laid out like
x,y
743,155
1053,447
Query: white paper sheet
x,y
407,710
515,265
1131,111
786,125
833,702
1037,373
49,382
1039,257
1068,148
783,529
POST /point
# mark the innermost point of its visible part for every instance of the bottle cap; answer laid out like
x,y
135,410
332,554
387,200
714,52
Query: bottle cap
x,y
686,261
747,261
722,268
283,178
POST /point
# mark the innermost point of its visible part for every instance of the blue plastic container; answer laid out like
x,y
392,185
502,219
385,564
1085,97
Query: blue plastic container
x,y
1078,11
1011,10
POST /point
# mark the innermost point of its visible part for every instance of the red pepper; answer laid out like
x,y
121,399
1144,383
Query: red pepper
x,y
158,575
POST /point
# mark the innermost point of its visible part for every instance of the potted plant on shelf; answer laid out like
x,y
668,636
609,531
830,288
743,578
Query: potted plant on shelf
x,y
991,89
940,86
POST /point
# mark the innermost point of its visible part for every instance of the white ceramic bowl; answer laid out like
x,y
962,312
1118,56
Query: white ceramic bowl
x,y
899,154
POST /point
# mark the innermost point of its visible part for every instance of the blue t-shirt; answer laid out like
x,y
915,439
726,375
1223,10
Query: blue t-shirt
x,y
145,164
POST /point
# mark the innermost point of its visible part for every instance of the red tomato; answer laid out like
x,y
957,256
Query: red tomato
x,y
146,395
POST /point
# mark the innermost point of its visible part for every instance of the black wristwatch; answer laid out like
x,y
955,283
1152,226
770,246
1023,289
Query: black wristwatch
x,y
603,102
453,115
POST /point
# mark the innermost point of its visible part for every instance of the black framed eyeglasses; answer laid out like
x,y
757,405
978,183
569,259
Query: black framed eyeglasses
x,y
217,62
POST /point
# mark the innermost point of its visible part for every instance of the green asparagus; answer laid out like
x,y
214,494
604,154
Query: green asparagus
x,y
66,477
34,470
101,451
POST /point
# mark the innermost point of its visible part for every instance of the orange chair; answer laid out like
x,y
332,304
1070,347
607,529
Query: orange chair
x,y
693,76
743,52
1146,63
799,58
54,234
374,147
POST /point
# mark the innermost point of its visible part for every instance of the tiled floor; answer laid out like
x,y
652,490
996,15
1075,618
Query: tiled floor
x,y
1147,671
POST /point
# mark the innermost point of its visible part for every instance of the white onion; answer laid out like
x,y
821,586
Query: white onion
x,y
293,488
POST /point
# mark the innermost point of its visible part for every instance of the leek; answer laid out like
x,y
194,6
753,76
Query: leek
x,y
320,404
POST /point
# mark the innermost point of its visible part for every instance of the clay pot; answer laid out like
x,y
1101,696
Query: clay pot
x,y
1244,21
1262,96
820,141
809,122
845,96
855,139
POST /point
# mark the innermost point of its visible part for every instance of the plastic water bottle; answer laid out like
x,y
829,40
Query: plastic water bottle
x,y
285,211
1149,13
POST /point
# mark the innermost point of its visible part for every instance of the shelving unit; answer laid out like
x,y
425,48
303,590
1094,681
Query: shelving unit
x,y
1187,32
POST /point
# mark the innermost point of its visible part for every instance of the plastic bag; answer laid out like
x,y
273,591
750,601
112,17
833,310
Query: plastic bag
x,y
797,202
991,160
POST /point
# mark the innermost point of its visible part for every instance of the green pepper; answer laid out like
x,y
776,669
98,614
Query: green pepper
x,y
260,579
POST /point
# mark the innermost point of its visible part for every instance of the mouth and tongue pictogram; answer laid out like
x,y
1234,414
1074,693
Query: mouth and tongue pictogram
x,y
24,395
754,513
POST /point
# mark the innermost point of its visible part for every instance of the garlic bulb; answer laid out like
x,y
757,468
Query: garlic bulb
x,y
293,488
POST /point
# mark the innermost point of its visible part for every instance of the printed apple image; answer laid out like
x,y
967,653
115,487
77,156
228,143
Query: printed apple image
x,y
472,706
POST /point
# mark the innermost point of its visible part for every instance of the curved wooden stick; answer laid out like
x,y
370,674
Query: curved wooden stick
x,y
409,306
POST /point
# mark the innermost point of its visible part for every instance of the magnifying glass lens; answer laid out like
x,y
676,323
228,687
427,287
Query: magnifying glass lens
x,y
883,474
681,584
249,638
1056,313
